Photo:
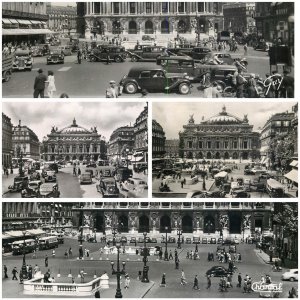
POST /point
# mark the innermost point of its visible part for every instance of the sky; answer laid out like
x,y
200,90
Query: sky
x,y
40,117
172,116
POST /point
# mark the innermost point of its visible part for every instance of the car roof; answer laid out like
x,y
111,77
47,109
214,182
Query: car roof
x,y
22,52
138,70
181,57
48,184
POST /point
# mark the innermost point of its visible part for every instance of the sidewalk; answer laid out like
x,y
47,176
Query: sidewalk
x,y
6,182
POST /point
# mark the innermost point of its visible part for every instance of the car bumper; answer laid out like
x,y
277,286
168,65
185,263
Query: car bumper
x,y
54,61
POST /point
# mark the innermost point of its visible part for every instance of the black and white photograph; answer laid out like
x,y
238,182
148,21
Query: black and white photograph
x,y
150,250
225,150
74,150
148,49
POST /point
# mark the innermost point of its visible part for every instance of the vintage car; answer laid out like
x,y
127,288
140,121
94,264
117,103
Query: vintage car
x,y
49,190
20,183
85,178
134,184
223,57
181,50
55,57
262,45
154,79
199,53
108,188
66,50
50,176
148,53
116,53
40,50
32,190
217,271
22,60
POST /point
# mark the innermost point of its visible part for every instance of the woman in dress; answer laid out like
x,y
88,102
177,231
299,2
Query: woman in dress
x,y
51,84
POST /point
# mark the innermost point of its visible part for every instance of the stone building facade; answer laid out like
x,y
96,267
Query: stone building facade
x,y
7,148
223,136
158,140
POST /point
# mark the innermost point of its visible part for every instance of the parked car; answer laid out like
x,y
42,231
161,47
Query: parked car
x,y
55,57
20,183
199,53
291,275
22,60
204,240
108,188
240,194
66,50
85,178
135,184
217,271
49,190
213,241
32,190
226,58
154,79
262,45
116,53
132,240
50,176
147,53
188,240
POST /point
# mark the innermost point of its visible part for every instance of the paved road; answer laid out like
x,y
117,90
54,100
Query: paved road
x,y
251,265
91,79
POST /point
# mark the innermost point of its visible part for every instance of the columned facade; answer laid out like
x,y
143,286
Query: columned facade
x,y
201,218
223,136
152,17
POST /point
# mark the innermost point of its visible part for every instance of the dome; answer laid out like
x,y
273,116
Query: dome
x,y
223,118
74,129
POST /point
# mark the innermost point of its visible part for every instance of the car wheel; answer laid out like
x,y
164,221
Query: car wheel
x,y
212,275
220,85
93,58
118,59
184,88
130,88
292,279
134,59
7,76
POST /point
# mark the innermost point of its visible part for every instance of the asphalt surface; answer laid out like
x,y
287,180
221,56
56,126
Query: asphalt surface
x,y
251,264
90,79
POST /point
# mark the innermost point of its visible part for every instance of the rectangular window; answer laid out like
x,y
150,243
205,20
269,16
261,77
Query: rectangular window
x,y
218,145
148,7
190,144
235,145
226,145
165,7
209,145
200,144
116,8
245,144
132,7
180,7
200,7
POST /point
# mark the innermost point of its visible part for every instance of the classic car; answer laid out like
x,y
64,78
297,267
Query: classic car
x,y
262,45
224,57
20,183
86,178
100,53
217,271
154,79
108,188
40,50
55,57
66,50
148,53
22,60
49,190
50,176
32,190
134,184
199,53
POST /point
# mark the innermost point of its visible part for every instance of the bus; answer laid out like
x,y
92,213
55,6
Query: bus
x,y
18,246
48,242
274,188
223,36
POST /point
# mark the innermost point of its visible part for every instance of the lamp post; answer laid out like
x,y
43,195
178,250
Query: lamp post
x,y
166,244
127,161
114,232
118,272
145,259
20,155
80,238
179,233
24,269
196,247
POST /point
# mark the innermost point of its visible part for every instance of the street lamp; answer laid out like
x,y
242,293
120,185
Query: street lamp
x,y
196,247
118,272
166,244
20,155
179,233
24,269
127,152
145,259
114,233
80,238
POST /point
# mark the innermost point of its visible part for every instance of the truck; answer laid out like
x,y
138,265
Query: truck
x,y
7,61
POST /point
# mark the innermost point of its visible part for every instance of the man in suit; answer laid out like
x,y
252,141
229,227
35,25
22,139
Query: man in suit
x,y
39,84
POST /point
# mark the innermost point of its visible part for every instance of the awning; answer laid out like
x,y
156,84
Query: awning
x,y
24,22
35,22
19,31
13,21
294,163
16,233
292,175
6,21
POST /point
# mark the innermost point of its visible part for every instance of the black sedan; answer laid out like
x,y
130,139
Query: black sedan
x,y
154,80
217,271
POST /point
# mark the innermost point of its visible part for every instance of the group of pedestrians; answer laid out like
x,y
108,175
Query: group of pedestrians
x,y
43,82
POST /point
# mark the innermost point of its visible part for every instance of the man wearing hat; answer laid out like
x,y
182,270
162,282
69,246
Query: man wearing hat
x,y
113,90
287,85
39,84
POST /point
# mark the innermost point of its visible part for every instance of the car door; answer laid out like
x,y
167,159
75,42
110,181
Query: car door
x,y
159,82
144,80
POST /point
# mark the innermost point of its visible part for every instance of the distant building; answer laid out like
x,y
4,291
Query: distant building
x,y
24,22
158,140
239,17
26,141
61,18
7,134
172,148
140,149
278,125
121,143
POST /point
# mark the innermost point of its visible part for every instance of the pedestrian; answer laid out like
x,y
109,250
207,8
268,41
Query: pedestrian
x,y
170,255
182,183
78,172
127,282
287,85
182,278
196,283
239,280
53,253
87,253
14,272
113,91
36,269
39,84
82,276
245,49
51,84
107,57
160,254
79,56
252,89
177,263
208,282
66,254
97,294
34,253
163,280
245,286
74,171
240,81
5,271
46,261
30,272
